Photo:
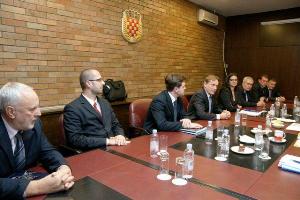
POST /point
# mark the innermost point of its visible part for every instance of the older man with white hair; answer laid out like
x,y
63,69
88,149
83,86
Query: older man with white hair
x,y
23,144
245,95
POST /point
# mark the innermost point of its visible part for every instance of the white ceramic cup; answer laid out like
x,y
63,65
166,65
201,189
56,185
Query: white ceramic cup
x,y
279,135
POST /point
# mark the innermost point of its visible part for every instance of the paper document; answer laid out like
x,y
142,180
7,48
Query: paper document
x,y
194,131
293,127
252,113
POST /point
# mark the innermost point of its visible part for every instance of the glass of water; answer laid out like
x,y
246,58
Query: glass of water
x,y
179,179
259,141
221,149
219,132
264,154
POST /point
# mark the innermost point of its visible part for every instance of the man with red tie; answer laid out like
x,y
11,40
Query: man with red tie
x,y
89,120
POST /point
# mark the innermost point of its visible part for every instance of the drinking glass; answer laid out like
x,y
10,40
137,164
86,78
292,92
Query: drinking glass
x,y
264,154
221,149
178,179
244,119
163,173
219,132
163,143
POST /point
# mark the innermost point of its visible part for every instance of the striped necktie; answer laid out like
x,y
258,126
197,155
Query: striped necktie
x,y
19,153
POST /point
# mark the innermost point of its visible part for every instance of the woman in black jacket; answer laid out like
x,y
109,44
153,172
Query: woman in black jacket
x,y
227,95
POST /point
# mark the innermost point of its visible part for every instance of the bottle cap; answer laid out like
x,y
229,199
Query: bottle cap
x,y
154,131
209,123
189,146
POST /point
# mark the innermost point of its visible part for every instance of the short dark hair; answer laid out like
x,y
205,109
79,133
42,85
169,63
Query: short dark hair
x,y
263,75
174,80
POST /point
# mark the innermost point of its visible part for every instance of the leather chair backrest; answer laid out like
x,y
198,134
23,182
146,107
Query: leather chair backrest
x,y
62,137
185,102
138,110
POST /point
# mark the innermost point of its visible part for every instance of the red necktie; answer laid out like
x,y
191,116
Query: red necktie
x,y
96,108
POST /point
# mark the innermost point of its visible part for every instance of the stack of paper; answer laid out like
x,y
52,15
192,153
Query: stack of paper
x,y
252,113
290,163
293,127
200,131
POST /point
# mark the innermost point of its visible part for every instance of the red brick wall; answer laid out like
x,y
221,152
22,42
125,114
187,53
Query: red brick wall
x,y
47,43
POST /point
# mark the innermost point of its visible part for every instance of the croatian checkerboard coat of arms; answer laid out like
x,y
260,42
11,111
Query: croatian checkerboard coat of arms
x,y
132,29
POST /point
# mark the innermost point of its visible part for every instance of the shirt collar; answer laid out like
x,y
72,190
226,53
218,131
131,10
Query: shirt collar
x,y
10,130
91,101
172,97
208,95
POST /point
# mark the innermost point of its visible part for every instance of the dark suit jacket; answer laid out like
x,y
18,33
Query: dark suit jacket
x,y
199,107
226,99
161,114
274,93
37,149
85,128
241,97
258,91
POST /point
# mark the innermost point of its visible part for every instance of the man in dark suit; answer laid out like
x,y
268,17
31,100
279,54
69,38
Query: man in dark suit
x,y
166,112
272,92
23,144
203,104
89,120
259,88
245,95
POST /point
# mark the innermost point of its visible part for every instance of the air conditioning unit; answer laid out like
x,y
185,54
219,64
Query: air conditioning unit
x,y
207,17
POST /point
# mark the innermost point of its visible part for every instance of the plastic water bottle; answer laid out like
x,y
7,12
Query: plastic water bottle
x,y
188,156
268,123
209,133
277,108
272,111
227,142
296,101
154,144
237,117
259,139
284,111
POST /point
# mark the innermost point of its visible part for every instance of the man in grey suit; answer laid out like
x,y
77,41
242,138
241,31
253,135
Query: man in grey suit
x,y
89,120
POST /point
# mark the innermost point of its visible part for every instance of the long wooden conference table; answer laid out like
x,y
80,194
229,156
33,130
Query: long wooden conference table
x,y
128,172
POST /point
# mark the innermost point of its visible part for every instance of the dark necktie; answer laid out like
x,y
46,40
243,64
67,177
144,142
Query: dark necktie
x,y
209,103
246,96
19,153
270,93
175,110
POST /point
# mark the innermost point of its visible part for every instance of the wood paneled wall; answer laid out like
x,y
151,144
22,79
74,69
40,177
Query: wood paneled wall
x,y
246,56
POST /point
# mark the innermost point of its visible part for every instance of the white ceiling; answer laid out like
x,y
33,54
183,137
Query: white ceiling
x,y
242,7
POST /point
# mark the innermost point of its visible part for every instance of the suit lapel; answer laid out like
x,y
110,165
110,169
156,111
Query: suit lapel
x,y
5,143
89,107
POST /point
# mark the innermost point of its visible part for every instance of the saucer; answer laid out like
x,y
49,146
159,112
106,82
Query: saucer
x,y
272,139
246,139
265,131
247,150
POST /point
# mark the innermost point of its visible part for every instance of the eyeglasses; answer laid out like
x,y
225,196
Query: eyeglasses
x,y
98,79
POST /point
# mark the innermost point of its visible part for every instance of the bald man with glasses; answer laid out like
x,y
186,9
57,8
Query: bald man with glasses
x,y
89,120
